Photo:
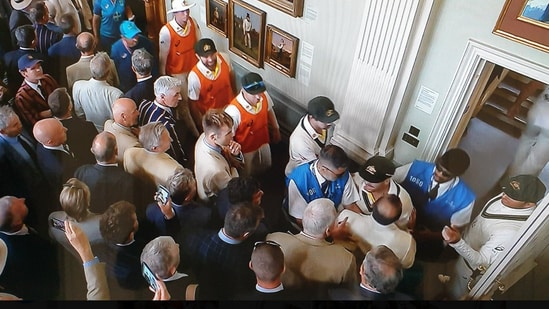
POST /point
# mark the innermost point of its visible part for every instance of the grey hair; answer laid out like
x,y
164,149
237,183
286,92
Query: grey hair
x,y
318,216
382,269
149,134
100,65
159,255
181,182
6,114
164,84
142,61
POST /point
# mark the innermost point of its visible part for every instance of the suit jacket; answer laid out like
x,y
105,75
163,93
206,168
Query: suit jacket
x,y
124,138
143,90
96,280
63,53
80,135
57,166
28,102
15,79
81,71
31,270
360,293
151,167
110,184
21,176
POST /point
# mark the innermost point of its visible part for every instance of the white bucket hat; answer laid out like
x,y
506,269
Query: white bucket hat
x,y
178,6
20,4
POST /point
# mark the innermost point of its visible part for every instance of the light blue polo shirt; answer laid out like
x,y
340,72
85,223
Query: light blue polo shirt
x,y
112,15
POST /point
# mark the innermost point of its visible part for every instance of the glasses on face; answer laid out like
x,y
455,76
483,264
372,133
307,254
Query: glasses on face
x,y
336,174
266,242
443,171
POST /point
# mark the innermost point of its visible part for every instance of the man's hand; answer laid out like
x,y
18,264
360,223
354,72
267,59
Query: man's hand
x,y
275,136
451,234
79,241
166,209
412,220
340,230
162,291
234,148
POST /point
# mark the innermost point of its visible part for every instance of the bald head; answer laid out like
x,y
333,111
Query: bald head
x,y
104,147
13,212
85,42
387,209
50,132
124,112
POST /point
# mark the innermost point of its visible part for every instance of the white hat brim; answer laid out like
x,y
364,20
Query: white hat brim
x,y
21,5
180,9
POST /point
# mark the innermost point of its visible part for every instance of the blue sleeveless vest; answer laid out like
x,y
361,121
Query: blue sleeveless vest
x,y
434,214
308,185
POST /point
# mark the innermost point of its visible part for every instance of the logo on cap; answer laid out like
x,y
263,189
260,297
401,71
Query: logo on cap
x,y
371,169
206,47
515,185
330,112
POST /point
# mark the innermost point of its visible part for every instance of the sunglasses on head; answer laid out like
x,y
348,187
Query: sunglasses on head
x,y
254,86
266,242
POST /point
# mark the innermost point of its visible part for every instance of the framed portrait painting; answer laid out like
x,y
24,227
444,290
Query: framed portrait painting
x,y
216,16
292,7
246,31
281,50
526,22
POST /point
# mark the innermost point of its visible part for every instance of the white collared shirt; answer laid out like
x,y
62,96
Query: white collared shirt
x,y
23,231
266,290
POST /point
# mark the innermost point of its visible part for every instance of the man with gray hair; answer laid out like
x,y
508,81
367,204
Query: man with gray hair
x,y
380,274
310,260
85,43
93,98
161,255
142,62
167,91
151,163
180,205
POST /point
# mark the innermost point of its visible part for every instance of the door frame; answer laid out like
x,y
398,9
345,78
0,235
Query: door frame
x,y
465,88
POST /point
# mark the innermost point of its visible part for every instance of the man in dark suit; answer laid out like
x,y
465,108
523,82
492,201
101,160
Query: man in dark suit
x,y
380,274
80,133
54,156
19,16
26,40
20,173
108,182
220,258
31,270
64,52
142,62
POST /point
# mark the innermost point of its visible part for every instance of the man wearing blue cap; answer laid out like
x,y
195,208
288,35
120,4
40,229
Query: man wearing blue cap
x,y
121,53
253,116
31,100
493,231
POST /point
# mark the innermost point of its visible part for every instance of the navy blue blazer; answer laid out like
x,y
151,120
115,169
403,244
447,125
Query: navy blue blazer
x,y
57,166
80,135
63,53
142,91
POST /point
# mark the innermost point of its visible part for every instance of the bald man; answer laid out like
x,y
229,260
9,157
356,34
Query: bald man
x,y
85,42
54,156
124,126
108,182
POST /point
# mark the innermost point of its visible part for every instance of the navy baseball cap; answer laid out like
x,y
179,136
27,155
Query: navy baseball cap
x,y
27,61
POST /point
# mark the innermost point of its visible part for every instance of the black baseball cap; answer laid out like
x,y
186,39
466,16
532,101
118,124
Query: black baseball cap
x,y
322,109
524,188
377,169
204,46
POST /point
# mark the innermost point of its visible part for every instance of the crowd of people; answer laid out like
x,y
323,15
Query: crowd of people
x,y
94,128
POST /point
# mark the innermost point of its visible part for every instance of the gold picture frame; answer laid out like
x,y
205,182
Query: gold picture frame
x,y
216,16
281,50
292,7
515,25
247,31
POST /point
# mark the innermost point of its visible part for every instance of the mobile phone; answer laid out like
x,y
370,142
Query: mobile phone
x,y
162,194
149,276
58,224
